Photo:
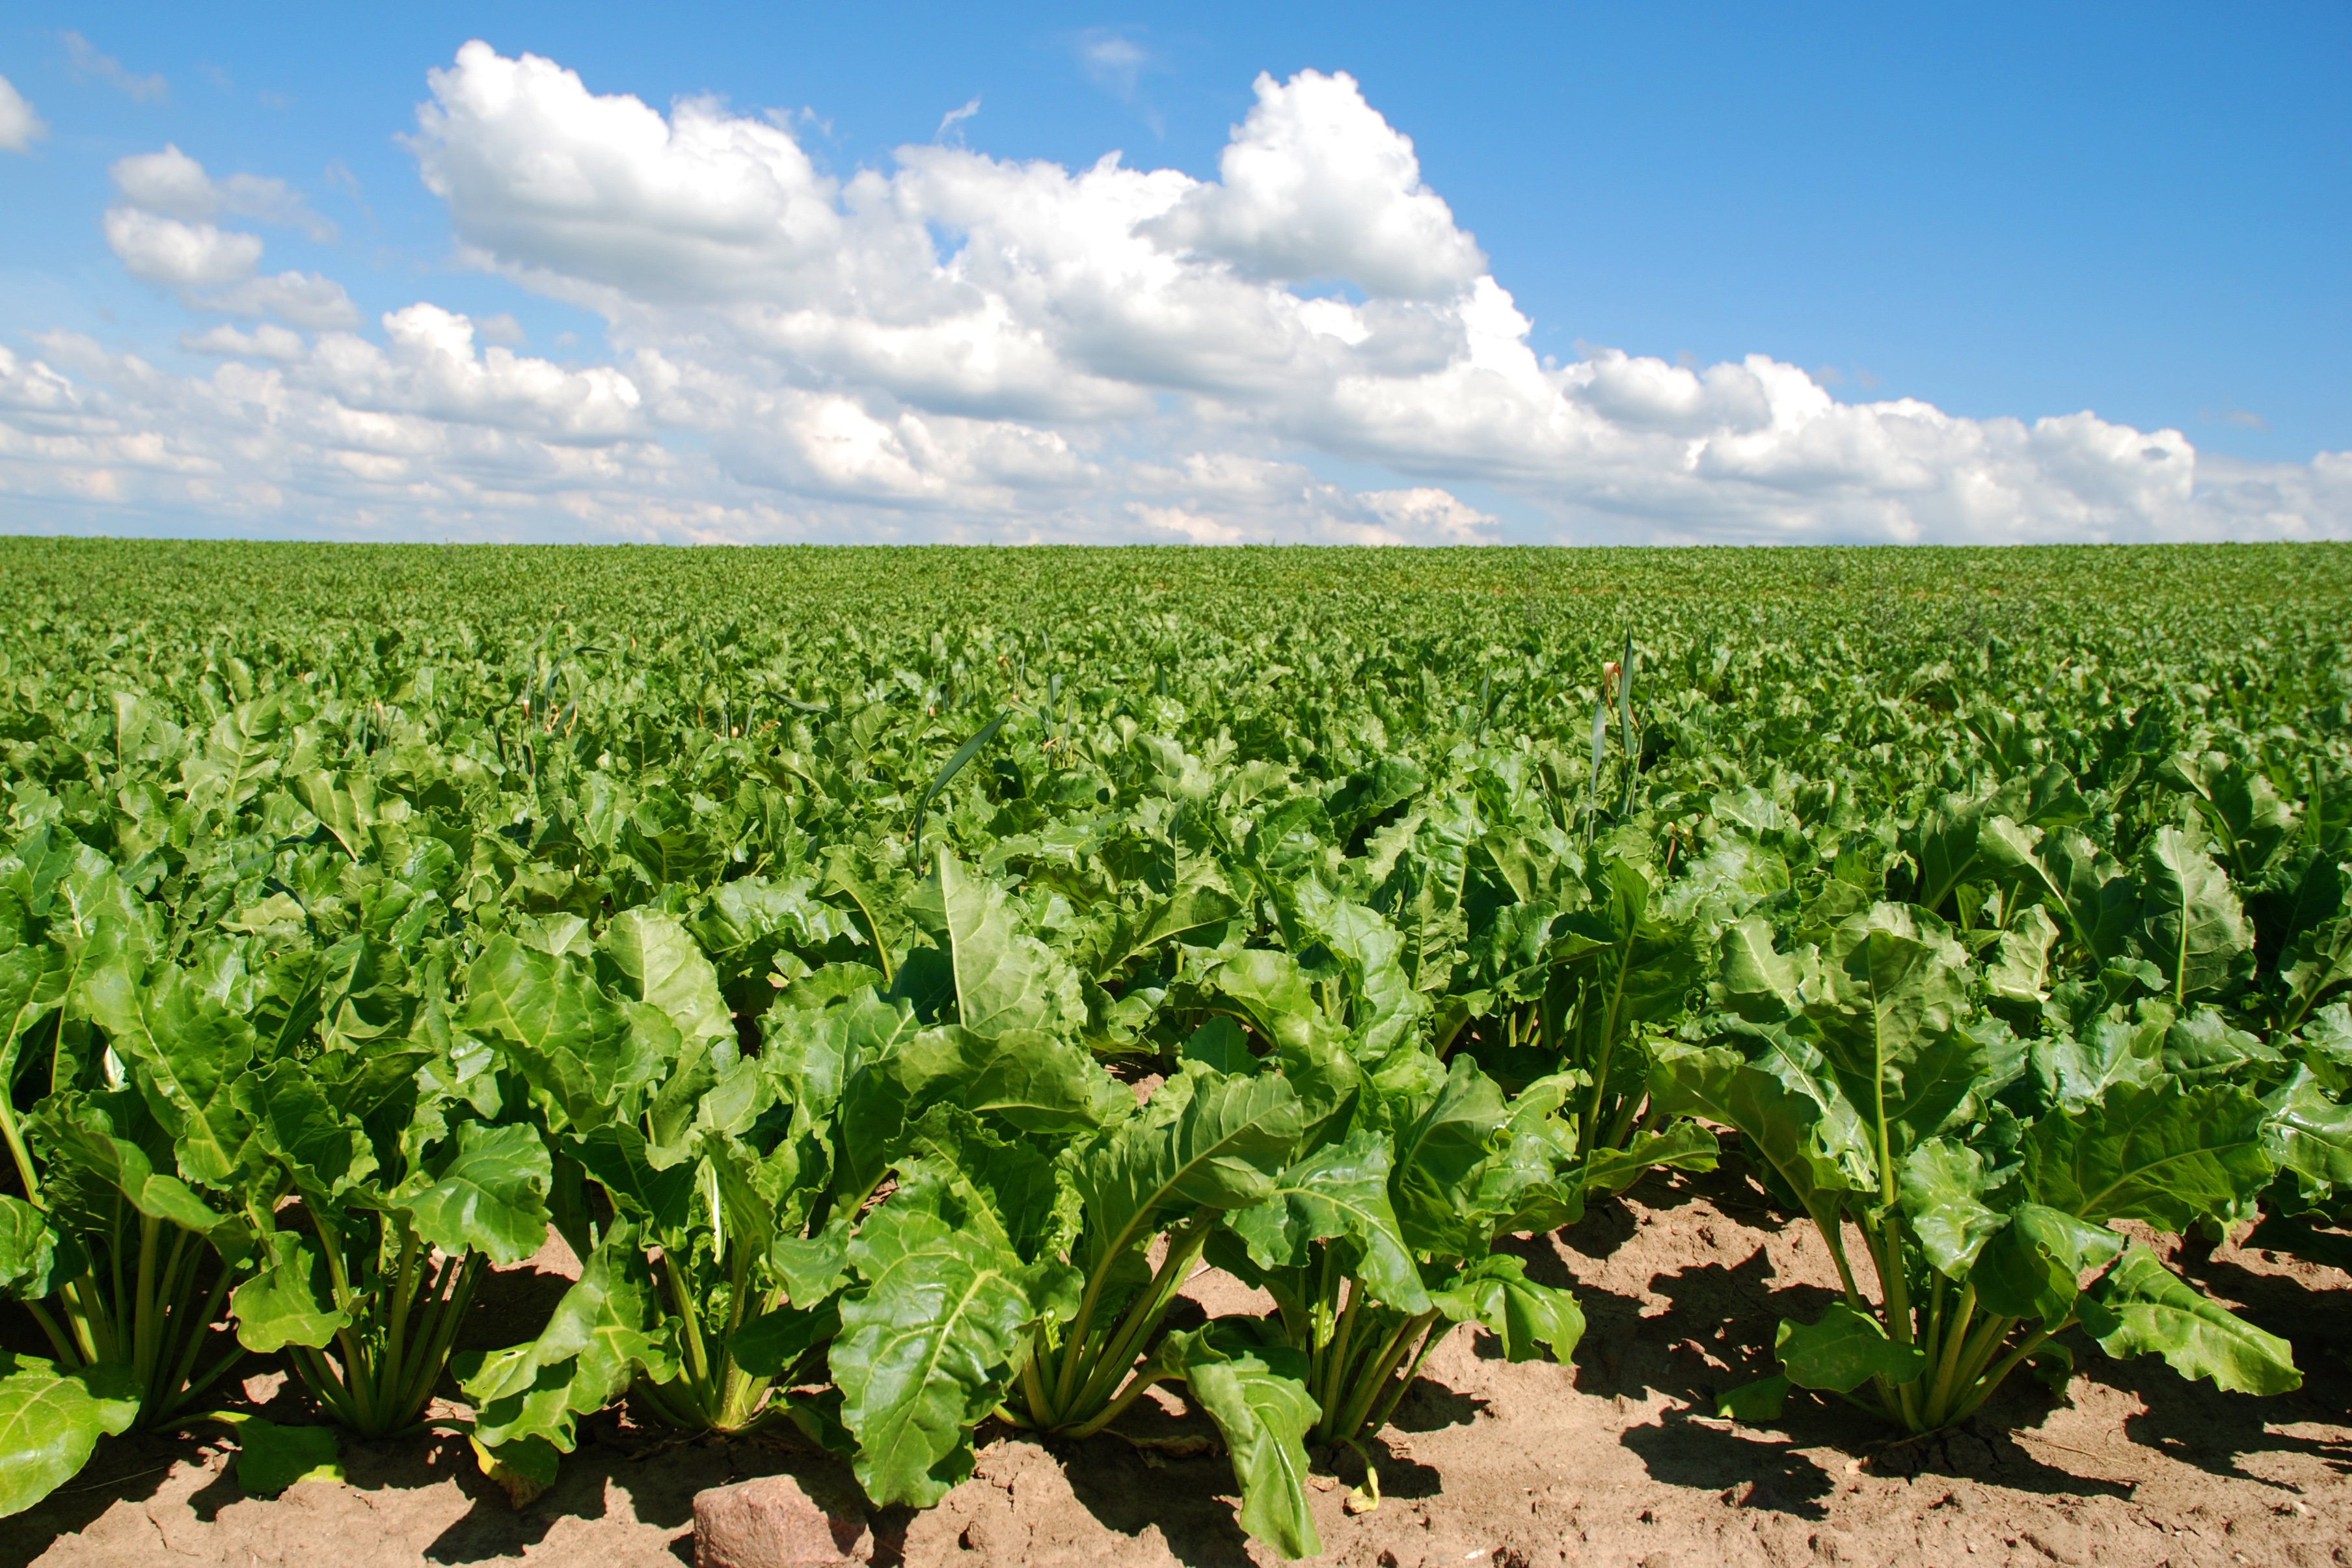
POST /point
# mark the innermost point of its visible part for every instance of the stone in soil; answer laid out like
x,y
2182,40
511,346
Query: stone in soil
x,y
772,1523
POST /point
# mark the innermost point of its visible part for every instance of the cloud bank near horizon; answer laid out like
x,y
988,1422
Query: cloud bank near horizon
x,y
966,348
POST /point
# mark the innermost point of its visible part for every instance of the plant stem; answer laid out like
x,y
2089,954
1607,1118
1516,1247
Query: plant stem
x,y
1373,1384
16,1141
1032,1386
1117,1408
1184,1245
1332,1364
58,1341
1378,1416
1939,1393
144,1317
1993,1380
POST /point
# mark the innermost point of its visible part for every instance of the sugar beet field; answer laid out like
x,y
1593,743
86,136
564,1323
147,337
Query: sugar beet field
x,y
1508,1057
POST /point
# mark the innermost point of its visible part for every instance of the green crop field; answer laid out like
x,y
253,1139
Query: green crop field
x,y
891,972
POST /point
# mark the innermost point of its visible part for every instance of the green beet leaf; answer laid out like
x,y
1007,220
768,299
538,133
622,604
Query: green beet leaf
x,y
1003,978
2030,1267
270,1457
604,1334
1256,1394
28,1251
187,1054
50,1419
1525,1317
2140,1306
927,1349
490,1194
1222,1151
2309,1133
289,1302
1942,1187
1760,1401
1842,1351
2162,1153
1341,1189
2192,926
1439,1157
667,970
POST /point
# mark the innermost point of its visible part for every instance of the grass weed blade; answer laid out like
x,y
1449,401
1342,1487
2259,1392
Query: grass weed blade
x,y
963,754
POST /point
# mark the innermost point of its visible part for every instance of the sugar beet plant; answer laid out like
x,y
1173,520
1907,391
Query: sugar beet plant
x,y
893,977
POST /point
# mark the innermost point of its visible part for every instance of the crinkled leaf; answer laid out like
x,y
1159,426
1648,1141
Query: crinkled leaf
x,y
1384,1004
187,1053
1439,1156
323,1148
2309,1133
618,1157
1003,978
490,1195
1757,981
1680,1146
1888,1022
2162,1154
2202,1045
1222,1151
1257,1396
1033,1081
1942,1187
1268,988
2069,1069
666,970
2192,926
928,1347
2018,976
603,1333
586,1057
1692,1080
1010,1190
1496,1294
1341,1190
812,1268
2140,1306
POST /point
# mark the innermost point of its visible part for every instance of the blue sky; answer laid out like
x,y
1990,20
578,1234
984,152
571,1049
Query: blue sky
x,y
2001,212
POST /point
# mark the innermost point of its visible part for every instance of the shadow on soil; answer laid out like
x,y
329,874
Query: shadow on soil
x,y
1188,1497
121,1469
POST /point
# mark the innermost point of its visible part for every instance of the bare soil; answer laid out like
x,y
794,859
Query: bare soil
x,y
1616,1461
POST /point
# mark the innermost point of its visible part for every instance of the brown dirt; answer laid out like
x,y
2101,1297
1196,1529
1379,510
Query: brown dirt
x,y
1615,1462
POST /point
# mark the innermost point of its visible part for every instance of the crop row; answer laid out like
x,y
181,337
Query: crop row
x,y
807,982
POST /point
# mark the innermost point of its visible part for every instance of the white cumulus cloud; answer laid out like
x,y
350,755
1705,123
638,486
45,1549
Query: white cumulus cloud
x,y
308,300
956,346
1316,184
162,232
180,255
267,340
172,183
19,126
